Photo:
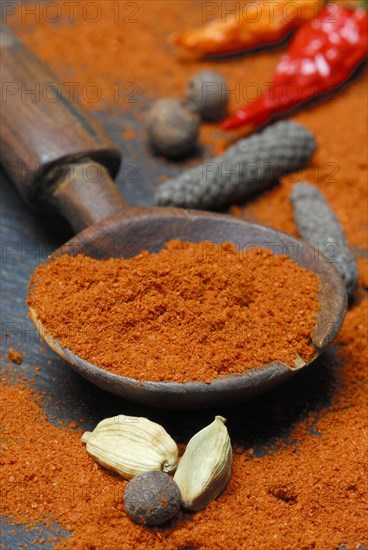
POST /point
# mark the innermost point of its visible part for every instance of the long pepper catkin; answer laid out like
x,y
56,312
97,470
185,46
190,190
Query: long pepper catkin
x,y
249,166
318,225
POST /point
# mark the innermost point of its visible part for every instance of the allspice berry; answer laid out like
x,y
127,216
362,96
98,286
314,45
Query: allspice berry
x,y
207,93
152,498
172,128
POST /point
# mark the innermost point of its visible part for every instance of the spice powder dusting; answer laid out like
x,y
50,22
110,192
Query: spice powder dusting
x,y
190,312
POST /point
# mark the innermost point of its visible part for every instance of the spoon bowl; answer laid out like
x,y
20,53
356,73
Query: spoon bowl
x,y
149,229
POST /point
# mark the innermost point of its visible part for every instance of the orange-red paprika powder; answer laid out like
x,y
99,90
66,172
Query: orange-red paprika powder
x,y
190,312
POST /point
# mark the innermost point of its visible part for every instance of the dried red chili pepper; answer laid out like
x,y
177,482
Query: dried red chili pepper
x,y
322,55
257,24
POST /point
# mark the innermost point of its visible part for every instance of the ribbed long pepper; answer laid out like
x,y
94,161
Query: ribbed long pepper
x,y
250,166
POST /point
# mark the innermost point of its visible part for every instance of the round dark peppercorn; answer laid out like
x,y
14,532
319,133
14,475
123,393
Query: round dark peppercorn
x,y
172,127
207,93
152,498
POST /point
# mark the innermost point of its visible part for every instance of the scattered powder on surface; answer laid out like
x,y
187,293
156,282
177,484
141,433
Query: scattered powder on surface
x,y
126,52
15,356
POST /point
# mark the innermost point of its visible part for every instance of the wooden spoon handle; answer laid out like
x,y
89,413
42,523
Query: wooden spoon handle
x,y
57,155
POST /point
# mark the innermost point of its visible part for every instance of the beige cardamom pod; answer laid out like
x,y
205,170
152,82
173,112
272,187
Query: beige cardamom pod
x,y
205,468
131,446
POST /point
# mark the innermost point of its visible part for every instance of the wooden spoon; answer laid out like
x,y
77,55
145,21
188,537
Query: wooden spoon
x,y
60,159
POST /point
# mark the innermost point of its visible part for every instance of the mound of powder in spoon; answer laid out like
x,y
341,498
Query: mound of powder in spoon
x,y
191,312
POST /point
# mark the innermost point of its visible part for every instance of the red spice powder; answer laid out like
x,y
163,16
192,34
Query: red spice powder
x,y
124,53
190,312
15,356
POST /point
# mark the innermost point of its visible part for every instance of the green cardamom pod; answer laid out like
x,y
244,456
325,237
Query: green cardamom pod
x,y
131,446
205,468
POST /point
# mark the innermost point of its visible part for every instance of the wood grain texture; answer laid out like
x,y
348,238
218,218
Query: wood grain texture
x,y
40,127
84,194
150,229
